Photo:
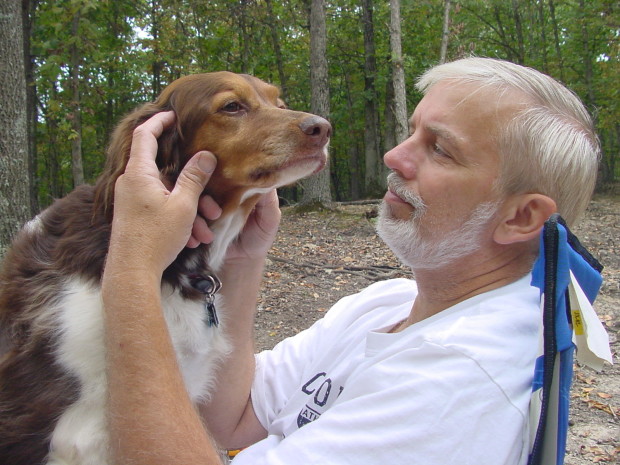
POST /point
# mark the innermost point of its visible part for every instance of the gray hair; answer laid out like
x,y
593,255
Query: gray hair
x,y
550,147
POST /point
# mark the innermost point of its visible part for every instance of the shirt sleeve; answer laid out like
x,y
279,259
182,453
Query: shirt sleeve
x,y
430,405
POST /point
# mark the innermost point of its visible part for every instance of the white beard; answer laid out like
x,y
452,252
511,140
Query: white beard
x,y
441,247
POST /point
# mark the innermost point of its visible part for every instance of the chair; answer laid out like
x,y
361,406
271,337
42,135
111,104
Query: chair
x,y
569,279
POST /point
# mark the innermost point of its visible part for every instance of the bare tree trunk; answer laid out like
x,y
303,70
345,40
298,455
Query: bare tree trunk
x,y
556,36
372,157
516,14
355,178
587,61
240,13
389,133
28,9
445,35
14,179
157,63
76,119
543,37
275,40
316,189
398,74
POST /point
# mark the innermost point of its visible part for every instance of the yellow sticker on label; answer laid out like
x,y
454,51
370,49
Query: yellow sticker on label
x,y
577,322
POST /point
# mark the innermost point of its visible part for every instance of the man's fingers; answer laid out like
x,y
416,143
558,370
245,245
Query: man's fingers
x,y
208,208
201,234
194,176
269,198
144,141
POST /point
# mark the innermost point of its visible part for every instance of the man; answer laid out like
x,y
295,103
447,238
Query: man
x,y
432,371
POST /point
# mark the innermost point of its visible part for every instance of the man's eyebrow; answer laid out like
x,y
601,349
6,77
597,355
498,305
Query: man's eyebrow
x,y
444,134
438,131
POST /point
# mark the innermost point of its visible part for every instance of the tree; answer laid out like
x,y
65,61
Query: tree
x,y
372,178
277,49
14,179
445,35
556,35
128,51
398,74
76,114
28,8
317,187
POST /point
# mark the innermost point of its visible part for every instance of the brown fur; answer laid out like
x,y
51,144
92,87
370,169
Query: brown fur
x,y
72,236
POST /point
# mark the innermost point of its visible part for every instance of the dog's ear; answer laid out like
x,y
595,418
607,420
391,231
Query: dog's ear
x,y
117,153
188,98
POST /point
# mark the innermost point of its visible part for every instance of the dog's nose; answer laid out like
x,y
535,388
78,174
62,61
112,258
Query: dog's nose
x,y
316,127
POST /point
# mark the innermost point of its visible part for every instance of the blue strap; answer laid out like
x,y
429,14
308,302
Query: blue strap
x,y
560,253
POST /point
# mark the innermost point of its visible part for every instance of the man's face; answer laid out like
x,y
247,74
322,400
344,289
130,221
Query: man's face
x,y
441,198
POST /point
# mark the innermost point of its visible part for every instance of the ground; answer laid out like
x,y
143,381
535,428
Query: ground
x,y
321,257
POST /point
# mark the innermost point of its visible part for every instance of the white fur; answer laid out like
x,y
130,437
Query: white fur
x,y
225,231
34,225
80,436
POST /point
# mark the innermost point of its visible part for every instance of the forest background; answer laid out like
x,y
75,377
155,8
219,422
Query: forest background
x,y
86,63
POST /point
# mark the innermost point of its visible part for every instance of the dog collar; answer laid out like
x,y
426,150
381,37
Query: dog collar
x,y
208,285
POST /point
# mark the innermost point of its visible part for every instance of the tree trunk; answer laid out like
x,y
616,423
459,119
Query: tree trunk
x,y
28,9
14,179
158,65
556,36
543,37
445,35
76,117
275,40
389,120
587,61
355,175
372,157
516,14
316,189
239,11
398,74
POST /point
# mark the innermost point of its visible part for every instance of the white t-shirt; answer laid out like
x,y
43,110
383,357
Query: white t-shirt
x,y
452,389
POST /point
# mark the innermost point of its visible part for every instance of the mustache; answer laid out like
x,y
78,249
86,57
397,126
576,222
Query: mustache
x,y
399,187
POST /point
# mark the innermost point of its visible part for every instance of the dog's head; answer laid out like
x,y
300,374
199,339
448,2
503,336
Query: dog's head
x,y
259,143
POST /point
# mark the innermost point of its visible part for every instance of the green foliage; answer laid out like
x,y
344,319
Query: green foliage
x,y
129,50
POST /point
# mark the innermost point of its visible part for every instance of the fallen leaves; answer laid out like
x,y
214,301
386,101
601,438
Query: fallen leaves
x,y
598,454
585,393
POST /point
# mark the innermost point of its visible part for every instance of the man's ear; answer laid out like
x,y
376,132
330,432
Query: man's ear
x,y
523,216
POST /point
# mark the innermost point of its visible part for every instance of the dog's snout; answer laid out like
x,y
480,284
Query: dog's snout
x,y
316,127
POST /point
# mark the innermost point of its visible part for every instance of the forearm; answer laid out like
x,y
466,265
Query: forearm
x,y
229,414
151,418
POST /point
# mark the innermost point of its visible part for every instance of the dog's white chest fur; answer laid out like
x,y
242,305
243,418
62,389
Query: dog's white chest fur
x,y
80,436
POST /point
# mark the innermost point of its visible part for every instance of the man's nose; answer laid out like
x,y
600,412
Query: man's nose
x,y
402,158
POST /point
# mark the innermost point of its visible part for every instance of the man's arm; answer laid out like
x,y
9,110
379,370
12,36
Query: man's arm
x,y
151,418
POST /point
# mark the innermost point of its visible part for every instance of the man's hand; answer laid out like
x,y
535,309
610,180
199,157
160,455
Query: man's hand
x,y
152,223
259,231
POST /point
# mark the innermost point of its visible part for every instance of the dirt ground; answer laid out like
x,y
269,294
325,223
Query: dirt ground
x,y
321,257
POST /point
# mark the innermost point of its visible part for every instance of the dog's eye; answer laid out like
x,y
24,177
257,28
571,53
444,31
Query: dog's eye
x,y
232,107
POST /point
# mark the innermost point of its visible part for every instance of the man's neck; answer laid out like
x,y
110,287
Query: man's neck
x,y
442,288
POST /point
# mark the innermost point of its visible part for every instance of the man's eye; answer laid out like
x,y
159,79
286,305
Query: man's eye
x,y
439,151
232,107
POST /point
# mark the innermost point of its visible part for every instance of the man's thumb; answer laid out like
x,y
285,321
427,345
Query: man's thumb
x,y
196,173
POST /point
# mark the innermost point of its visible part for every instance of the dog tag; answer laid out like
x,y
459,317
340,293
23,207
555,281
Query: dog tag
x,y
208,285
212,319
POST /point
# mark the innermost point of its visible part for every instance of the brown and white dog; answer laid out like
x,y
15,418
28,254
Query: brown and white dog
x,y
52,377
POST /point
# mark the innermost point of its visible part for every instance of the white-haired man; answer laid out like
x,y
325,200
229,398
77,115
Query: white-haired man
x,y
432,371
